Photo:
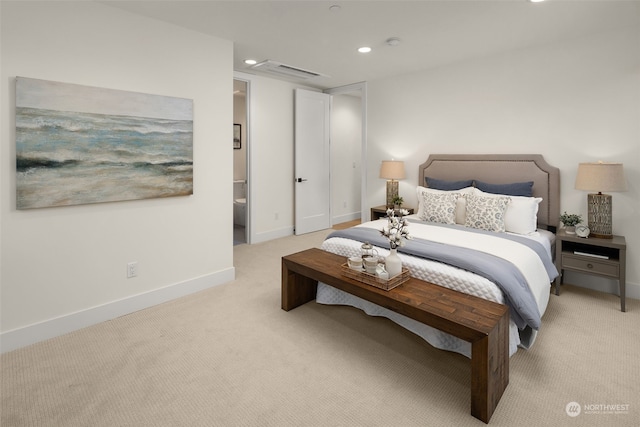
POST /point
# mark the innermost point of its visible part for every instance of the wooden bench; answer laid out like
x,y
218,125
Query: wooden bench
x,y
485,324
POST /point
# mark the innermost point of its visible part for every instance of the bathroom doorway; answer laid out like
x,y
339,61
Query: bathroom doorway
x,y
240,174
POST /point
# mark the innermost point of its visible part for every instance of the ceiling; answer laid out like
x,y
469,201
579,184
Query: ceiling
x,y
309,35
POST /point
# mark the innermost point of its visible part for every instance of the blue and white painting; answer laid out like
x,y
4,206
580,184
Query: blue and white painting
x,y
79,144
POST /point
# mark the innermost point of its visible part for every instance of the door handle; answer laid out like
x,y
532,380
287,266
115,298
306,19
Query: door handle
x,y
300,179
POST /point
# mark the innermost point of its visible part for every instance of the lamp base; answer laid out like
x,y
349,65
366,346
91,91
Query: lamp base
x,y
599,215
392,192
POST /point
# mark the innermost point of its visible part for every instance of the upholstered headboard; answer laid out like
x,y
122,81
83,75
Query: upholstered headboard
x,y
502,169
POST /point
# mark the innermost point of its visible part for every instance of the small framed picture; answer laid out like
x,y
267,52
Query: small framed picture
x,y
237,132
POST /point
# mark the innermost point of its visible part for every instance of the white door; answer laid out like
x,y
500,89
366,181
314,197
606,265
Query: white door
x,y
312,162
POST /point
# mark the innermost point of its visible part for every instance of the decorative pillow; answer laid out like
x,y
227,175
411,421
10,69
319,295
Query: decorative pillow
x,y
461,203
439,208
441,184
513,189
521,216
486,213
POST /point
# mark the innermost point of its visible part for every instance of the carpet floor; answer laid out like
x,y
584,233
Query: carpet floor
x,y
229,356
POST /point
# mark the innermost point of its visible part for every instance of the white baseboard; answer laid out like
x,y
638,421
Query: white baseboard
x,y
22,337
272,235
346,217
600,284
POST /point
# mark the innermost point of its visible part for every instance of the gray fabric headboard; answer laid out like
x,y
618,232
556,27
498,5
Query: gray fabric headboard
x,y
502,169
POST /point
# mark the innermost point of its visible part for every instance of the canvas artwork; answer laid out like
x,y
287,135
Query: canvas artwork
x,y
79,144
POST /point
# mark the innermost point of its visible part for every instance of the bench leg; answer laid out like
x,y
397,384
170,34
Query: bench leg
x,y
296,289
489,370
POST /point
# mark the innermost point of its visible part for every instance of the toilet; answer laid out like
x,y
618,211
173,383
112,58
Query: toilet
x,y
239,202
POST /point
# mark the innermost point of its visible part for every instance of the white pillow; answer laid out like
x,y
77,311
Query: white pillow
x,y
486,213
521,216
461,209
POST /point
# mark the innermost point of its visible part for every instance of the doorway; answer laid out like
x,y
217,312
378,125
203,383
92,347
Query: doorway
x,y
349,153
346,130
240,170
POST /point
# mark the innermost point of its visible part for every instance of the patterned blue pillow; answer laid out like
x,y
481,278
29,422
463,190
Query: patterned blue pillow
x,y
486,213
440,208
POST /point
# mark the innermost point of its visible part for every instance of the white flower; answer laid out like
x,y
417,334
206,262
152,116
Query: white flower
x,y
396,229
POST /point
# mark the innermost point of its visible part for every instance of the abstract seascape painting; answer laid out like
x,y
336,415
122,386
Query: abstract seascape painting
x,y
79,144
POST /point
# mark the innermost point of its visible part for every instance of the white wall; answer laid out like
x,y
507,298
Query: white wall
x,y
346,147
64,268
576,101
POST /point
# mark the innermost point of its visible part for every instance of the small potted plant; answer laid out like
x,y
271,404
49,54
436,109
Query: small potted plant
x,y
570,221
397,202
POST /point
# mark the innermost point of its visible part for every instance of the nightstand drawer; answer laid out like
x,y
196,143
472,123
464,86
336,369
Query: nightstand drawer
x,y
591,265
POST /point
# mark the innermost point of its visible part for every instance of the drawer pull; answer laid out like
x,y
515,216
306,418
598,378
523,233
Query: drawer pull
x,y
589,265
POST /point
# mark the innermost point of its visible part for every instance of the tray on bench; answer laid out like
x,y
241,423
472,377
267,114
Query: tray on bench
x,y
374,280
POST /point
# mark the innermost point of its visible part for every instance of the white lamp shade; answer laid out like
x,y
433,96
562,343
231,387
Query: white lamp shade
x,y
392,169
600,177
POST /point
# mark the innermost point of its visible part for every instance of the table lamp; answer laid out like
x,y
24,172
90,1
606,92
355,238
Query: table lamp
x,y
392,170
600,177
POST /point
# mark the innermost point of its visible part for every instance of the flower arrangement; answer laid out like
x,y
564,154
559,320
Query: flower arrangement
x,y
570,220
397,228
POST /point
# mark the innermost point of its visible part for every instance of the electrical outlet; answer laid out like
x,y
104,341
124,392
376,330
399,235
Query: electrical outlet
x,y
132,269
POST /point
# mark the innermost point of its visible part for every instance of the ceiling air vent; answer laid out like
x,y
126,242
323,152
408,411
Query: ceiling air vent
x,y
283,70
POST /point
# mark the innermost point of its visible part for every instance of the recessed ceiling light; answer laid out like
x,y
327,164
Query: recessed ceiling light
x,y
536,1
250,61
364,49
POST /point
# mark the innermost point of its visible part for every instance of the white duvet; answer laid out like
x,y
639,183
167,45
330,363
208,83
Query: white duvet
x,y
527,261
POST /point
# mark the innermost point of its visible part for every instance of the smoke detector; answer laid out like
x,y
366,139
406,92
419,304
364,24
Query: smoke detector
x,y
393,41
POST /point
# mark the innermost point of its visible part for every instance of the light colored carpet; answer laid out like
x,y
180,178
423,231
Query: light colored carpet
x,y
229,356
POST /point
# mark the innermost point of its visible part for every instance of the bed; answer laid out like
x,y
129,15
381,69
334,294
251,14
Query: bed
x,y
484,226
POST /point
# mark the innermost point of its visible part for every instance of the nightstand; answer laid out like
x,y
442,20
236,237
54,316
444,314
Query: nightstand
x,y
592,255
381,212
